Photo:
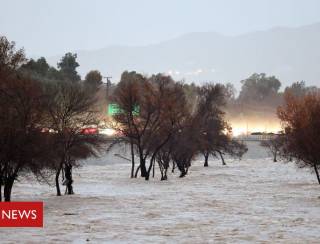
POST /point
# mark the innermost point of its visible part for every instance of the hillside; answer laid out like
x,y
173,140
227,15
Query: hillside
x,y
292,54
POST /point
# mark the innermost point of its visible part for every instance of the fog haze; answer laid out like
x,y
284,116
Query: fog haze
x,y
55,27
220,41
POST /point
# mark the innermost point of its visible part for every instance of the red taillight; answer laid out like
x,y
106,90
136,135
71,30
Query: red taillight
x,y
89,131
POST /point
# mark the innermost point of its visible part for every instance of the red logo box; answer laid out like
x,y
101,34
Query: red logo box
x,y
21,214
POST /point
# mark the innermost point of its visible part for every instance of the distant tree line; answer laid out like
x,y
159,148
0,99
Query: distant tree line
x,y
260,90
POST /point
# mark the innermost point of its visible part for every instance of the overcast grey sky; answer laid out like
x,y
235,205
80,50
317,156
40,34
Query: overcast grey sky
x,y
54,27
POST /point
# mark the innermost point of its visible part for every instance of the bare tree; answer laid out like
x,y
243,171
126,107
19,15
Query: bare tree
x,y
214,133
274,145
20,118
20,134
161,105
69,109
10,58
186,146
164,157
301,122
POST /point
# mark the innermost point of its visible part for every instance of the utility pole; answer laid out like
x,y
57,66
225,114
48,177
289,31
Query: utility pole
x,y
108,84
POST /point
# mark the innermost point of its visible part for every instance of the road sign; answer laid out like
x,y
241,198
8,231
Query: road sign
x,y
114,109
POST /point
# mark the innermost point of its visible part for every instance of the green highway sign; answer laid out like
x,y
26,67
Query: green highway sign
x,y
114,109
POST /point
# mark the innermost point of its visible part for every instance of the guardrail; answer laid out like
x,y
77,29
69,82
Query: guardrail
x,y
250,138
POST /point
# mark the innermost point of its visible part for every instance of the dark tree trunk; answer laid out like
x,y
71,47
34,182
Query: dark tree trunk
x,y
161,167
221,156
151,165
142,165
165,170
137,171
57,181
165,177
173,167
68,179
8,188
182,170
206,159
149,169
132,159
275,157
317,173
183,173
153,169
154,156
161,170
164,174
143,168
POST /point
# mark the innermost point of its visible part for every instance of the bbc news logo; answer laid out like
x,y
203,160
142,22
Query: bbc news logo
x,y
21,214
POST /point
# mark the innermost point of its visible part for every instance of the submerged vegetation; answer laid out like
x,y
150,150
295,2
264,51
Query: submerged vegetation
x,y
47,113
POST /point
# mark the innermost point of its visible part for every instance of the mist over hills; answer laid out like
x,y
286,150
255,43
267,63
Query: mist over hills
x,y
291,54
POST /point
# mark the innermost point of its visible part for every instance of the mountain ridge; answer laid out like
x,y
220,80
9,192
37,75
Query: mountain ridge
x,y
290,53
